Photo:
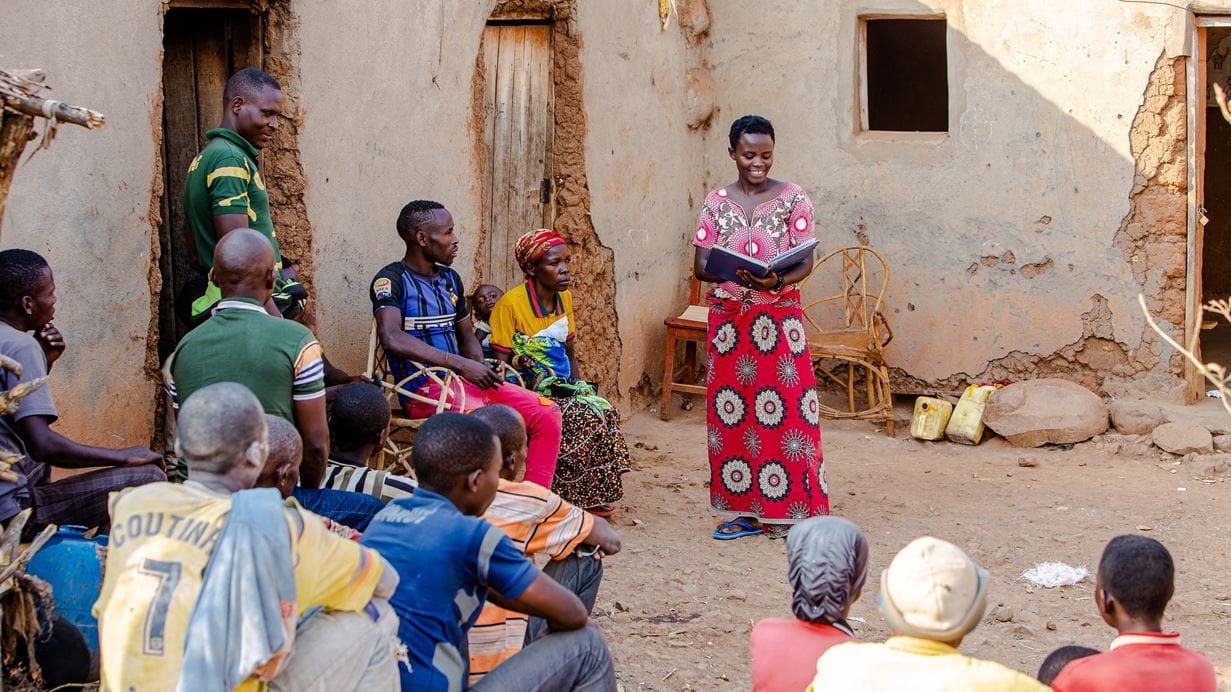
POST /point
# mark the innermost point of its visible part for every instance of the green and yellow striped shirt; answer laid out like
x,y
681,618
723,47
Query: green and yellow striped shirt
x,y
225,179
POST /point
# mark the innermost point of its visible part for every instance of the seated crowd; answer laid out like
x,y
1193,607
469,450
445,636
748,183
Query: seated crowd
x,y
932,595
260,433
275,556
381,581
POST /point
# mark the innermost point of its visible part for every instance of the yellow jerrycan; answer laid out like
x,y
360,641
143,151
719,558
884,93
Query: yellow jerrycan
x,y
966,424
930,418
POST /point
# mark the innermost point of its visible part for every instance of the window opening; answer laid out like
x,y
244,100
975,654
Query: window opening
x,y
905,75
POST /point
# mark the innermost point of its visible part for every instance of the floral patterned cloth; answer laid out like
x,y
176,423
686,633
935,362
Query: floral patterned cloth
x,y
775,227
762,413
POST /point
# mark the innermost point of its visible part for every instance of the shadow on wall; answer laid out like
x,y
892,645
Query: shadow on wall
x,y
1018,240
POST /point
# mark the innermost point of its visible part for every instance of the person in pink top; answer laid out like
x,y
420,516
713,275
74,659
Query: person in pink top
x,y
1136,579
763,421
827,563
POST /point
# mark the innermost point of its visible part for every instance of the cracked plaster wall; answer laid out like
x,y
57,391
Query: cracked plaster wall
x,y
362,165
1019,242
644,103
85,204
372,134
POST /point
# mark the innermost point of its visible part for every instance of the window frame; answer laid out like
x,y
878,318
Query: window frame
x,y
861,77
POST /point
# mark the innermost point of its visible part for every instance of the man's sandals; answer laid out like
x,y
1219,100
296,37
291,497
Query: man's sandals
x,y
746,528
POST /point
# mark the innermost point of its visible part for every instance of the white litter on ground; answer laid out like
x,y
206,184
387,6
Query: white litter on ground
x,y
1052,574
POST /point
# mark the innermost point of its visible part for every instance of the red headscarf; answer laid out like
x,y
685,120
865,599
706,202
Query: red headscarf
x,y
534,244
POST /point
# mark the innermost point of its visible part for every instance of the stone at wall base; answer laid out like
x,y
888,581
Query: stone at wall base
x,y
1050,410
1183,438
1135,417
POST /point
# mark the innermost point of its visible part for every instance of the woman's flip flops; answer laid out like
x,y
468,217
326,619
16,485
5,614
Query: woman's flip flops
x,y
748,530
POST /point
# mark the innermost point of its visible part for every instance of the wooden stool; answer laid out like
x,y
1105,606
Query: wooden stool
x,y
692,328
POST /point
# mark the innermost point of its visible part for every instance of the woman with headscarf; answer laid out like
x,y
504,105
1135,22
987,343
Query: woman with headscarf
x,y
767,470
533,329
827,563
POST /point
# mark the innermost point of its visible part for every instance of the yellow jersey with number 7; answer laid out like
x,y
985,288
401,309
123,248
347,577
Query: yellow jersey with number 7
x,y
162,535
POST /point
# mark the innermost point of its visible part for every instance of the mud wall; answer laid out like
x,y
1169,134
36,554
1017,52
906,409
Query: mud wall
x,y
85,203
643,157
378,133
623,164
1018,241
285,173
370,135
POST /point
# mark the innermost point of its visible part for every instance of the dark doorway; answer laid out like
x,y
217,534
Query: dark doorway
x,y
1216,188
202,48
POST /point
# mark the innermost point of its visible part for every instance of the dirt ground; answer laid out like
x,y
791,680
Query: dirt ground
x,y
677,606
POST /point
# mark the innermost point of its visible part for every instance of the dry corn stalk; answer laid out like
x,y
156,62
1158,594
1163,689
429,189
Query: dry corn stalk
x,y
20,593
23,95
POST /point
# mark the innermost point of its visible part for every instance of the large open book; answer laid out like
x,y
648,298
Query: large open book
x,y
723,262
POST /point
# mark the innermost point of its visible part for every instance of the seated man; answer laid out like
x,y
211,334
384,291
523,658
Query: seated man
x,y
421,316
1136,579
932,595
358,427
204,580
279,360
539,522
452,562
28,303
282,472
827,564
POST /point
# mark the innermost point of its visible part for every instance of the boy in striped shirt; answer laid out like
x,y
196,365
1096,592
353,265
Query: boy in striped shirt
x,y
358,428
539,522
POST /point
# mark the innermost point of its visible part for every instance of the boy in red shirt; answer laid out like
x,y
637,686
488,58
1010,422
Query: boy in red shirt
x,y
1136,579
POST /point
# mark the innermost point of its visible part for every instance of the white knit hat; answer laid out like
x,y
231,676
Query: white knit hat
x,y
933,590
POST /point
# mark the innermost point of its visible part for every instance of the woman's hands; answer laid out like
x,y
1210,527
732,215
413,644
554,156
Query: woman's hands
x,y
768,283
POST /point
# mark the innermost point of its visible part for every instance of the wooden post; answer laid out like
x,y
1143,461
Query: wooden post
x,y
19,106
15,130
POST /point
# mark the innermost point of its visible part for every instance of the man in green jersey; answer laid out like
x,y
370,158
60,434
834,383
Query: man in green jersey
x,y
224,189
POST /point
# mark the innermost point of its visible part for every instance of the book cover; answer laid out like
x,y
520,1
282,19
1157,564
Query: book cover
x,y
723,262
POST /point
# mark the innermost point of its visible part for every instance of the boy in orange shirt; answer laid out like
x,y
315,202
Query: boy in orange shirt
x,y
1136,579
539,522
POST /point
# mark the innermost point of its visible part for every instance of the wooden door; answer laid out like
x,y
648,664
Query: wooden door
x,y
518,108
202,49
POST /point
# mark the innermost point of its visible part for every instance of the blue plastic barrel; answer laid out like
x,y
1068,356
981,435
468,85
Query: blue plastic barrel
x,y
73,565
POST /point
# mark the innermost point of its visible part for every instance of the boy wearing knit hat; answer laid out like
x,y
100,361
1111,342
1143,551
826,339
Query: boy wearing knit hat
x,y
1136,579
932,595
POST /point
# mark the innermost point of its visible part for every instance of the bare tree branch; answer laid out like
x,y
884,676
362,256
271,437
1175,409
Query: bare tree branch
x,y
1214,373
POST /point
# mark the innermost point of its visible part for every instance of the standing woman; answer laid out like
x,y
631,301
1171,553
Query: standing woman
x,y
767,470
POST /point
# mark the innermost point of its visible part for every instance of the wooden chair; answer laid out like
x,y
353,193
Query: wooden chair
x,y
692,328
395,456
860,338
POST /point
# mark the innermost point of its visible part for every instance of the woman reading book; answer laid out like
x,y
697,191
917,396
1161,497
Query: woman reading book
x,y
767,469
